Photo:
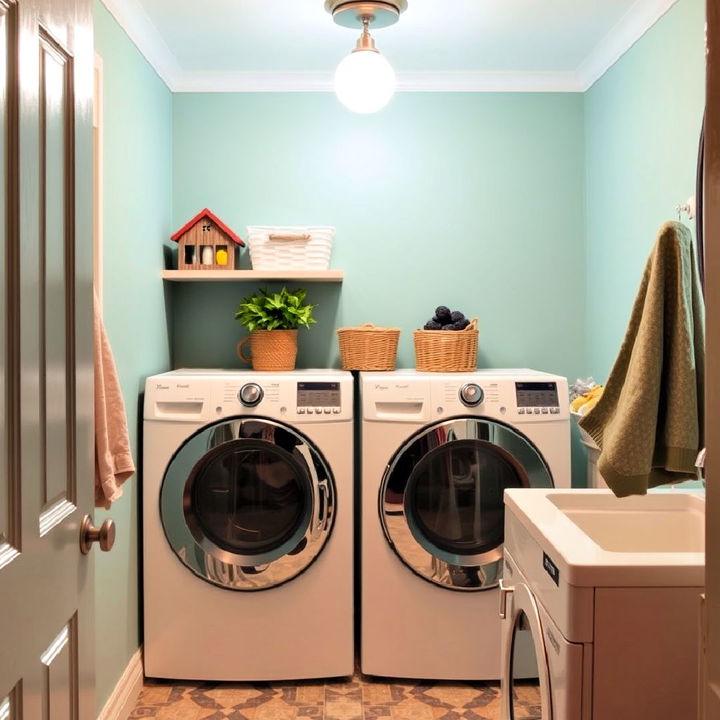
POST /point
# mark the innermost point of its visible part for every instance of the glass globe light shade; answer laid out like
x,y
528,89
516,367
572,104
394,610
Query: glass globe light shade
x,y
364,81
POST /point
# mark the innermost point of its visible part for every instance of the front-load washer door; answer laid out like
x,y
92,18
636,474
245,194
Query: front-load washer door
x,y
441,499
247,504
525,681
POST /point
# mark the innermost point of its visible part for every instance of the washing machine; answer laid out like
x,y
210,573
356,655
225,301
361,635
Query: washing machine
x,y
438,450
248,525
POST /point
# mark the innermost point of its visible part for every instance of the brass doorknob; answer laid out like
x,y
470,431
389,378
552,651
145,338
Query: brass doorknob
x,y
104,535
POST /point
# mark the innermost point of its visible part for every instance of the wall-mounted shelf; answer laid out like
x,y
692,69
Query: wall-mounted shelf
x,y
252,275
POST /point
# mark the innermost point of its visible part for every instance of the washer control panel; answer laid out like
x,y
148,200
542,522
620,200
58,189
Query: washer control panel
x,y
537,398
198,396
318,398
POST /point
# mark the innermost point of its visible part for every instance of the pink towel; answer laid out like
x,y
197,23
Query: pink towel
x,y
113,459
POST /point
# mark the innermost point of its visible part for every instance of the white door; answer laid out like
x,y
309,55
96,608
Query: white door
x,y
46,448
711,689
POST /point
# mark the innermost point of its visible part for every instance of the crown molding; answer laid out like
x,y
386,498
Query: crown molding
x,y
501,81
220,82
133,19
406,82
639,18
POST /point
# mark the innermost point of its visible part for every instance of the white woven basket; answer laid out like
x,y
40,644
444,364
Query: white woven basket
x,y
290,248
585,436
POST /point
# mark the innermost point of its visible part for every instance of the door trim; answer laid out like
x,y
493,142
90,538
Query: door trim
x,y
711,680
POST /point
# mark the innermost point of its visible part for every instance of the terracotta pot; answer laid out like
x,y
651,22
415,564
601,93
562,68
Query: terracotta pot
x,y
270,349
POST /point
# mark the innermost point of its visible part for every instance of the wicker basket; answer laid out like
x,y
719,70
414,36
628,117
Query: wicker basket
x,y
450,351
290,248
368,347
270,349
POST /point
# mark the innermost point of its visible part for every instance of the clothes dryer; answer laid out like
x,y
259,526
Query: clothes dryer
x,y
438,451
248,525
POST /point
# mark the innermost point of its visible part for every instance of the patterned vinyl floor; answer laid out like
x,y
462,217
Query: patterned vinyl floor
x,y
359,698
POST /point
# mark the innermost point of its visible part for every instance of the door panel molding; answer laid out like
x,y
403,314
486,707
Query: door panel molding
x,y
57,335
11,705
60,687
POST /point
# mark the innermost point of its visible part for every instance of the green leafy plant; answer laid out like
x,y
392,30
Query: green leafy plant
x,y
275,311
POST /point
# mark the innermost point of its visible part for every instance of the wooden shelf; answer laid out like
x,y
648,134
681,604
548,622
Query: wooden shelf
x,y
252,275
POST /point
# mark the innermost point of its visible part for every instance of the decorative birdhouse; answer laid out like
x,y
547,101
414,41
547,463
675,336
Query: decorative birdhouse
x,y
206,243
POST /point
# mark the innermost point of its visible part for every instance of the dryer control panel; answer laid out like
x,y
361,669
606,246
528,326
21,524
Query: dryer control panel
x,y
407,396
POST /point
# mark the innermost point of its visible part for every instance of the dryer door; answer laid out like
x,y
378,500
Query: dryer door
x,y
441,499
247,504
525,681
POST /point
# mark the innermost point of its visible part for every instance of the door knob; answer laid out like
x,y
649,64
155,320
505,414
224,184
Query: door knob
x,y
104,535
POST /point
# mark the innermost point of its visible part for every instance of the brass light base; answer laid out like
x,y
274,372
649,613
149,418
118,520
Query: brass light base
x,y
380,13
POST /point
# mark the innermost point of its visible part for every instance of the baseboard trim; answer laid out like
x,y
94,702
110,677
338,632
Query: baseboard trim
x,y
124,697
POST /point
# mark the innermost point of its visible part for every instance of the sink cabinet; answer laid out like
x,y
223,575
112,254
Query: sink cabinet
x,y
645,653
615,632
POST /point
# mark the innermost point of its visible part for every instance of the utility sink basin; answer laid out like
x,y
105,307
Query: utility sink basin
x,y
668,522
599,539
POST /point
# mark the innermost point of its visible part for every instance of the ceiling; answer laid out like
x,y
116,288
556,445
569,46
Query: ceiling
x,y
437,45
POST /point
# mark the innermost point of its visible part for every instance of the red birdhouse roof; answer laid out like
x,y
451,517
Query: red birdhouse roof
x,y
207,214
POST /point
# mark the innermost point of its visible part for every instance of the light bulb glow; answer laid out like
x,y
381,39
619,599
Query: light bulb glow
x,y
364,81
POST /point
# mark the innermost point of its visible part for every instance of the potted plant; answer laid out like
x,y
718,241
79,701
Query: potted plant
x,y
273,320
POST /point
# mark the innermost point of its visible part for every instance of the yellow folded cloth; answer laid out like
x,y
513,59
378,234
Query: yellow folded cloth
x,y
586,407
590,398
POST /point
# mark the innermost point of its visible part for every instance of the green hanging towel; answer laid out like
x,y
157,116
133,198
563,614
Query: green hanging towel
x,y
649,421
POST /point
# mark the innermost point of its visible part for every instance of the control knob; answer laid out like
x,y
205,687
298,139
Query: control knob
x,y
250,395
471,394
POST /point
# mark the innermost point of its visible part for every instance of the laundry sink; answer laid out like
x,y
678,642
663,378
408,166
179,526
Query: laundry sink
x,y
668,522
654,539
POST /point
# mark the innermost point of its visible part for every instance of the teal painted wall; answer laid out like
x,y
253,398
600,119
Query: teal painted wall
x,y
474,201
642,124
137,213
533,212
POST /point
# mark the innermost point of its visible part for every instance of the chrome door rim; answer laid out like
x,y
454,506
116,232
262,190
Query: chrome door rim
x,y
253,571
524,601
425,559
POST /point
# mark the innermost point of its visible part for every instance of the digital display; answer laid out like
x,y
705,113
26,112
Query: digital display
x,y
537,394
318,394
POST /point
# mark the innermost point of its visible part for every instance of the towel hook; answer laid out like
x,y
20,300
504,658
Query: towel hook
x,y
688,208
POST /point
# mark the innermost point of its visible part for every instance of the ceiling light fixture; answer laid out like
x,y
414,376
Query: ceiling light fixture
x,y
365,80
